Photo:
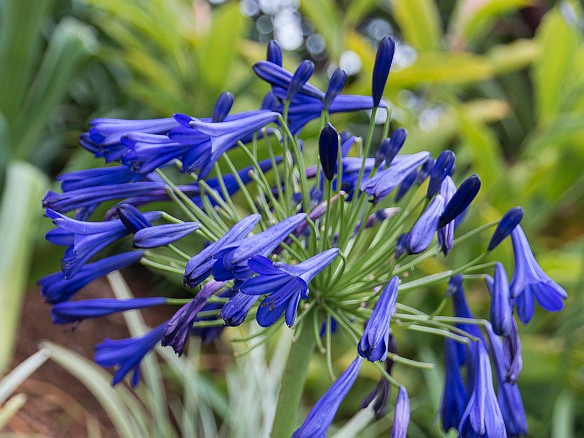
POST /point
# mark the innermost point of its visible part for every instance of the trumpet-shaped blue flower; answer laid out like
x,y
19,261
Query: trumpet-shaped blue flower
x,y
374,344
178,329
231,261
85,239
200,266
69,312
482,415
454,396
284,284
127,354
501,307
530,281
55,288
383,183
161,235
321,416
401,416
506,225
508,394
422,233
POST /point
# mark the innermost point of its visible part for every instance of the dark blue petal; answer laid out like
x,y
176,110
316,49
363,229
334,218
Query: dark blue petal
x,y
442,168
465,194
300,77
222,107
74,311
328,148
336,84
423,231
132,218
506,225
274,53
383,60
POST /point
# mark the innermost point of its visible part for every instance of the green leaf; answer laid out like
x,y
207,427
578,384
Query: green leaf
x,y
419,21
513,56
357,10
564,415
558,42
20,211
324,15
218,50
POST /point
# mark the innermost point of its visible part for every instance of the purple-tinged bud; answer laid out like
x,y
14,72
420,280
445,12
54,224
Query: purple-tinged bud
x,y
442,168
423,231
132,218
270,102
222,107
300,77
501,308
401,416
506,225
465,194
396,142
425,170
446,233
401,245
162,235
328,149
336,84
381,152
383,60
274,53
512,354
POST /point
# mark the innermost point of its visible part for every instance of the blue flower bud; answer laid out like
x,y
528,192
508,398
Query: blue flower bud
x,y
460,200
161,235
501,309
401,416
300,77
270,102
396,142
442,168
381,152
423,231
383,60
328,147
274,53
222,107
401,245
132,218
336,84
406,185
425,170
506,225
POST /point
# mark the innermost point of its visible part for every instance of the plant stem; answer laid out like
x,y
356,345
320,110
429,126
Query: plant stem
x,y
292,386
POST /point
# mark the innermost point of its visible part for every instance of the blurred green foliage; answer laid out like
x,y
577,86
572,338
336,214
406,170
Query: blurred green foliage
x,y
501,85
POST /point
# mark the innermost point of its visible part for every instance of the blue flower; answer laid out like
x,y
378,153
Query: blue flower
x,y
236,308
177,330
501,307
443,167
454,395
508,394
512,354
321,416
506,225
383,60
222,107
335,86
328,150
103,176
161,235
274,53
374,343
200,266
231,261
446,232
74,311
380,185
530,281
93,196
482,415
284,284
127,354
401,416
422,233
55,288
85,239
465,194
299,78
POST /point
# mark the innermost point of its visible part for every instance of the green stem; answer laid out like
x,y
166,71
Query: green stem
x,y
292,386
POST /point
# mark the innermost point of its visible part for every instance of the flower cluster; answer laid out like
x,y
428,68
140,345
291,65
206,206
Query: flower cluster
x,y
309,242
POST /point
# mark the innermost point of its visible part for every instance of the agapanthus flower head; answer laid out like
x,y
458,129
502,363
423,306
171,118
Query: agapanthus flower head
x,y
284,285
328,149
375,341
55,288
127,354
506,225
321,416
529,281
178,329
443,167
401,416
501,307
69,312
465,194
383,60
335,86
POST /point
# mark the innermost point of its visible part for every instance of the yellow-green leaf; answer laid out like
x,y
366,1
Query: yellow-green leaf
x,y
419,21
